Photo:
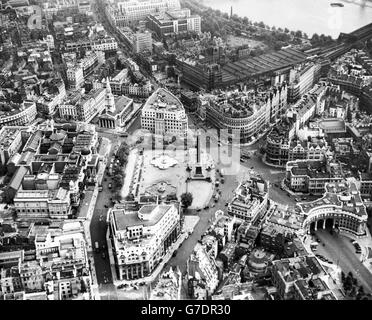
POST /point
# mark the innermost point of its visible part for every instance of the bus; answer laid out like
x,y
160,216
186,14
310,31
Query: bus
x,y
96,246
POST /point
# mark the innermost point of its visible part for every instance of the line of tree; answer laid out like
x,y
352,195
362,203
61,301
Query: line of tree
x,y
352,289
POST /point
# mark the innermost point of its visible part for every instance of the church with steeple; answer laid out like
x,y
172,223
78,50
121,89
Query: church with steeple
x,y
117,109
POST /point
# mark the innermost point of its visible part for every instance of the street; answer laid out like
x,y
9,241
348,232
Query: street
x,y
98,229
340,250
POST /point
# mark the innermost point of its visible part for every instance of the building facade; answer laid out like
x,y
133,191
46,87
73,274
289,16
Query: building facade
x,y
141,238
163,113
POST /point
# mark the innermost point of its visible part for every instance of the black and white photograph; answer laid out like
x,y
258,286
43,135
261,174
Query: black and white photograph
x,y
182,154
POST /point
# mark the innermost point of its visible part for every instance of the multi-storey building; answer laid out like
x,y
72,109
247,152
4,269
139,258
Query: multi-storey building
x,y
301,79
292,276
251,200
348,83
278,142
86,107
106,44
312,149
197,74
163,113
43,204
89,62
174,22
309,105
58,269
10,142
311,176
202,267
23,116
139,41
48,102
248,112
142,237
75,77
365,187
127,12
341,207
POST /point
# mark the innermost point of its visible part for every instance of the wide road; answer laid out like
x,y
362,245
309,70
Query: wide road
x,y
98,229
273,175
340,250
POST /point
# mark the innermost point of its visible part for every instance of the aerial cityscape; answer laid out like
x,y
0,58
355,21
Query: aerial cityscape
x,y
185,150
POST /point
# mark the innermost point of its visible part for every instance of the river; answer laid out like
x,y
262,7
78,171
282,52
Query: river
x,y
310,16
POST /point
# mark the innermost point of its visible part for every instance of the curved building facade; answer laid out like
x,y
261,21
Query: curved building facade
x,y
341,207
249,112
22,117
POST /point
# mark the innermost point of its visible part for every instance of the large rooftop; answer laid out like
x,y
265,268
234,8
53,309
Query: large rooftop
x,y
343,195
162,99
124,220
264,63
7,136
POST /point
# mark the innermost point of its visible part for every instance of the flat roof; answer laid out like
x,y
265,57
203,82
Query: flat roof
x,y
163,99
264,63
124,220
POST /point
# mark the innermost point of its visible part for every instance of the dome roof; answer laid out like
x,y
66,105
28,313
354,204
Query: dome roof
x,y
57,136
85,151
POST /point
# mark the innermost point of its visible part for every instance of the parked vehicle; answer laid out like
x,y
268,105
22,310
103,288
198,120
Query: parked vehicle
x,y
96,246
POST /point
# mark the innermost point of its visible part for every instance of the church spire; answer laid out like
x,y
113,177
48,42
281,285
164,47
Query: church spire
x,y
110,100
108,87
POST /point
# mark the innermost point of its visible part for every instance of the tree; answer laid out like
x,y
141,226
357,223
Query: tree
x,y
3,170
315,38
8,195
130,197
298,34
122,153
186,199
286,30
349,115
118,181
83,287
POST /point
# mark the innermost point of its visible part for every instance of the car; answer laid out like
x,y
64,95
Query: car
x,y
226,204
317,240
198,210
206,207
106,206
103,255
